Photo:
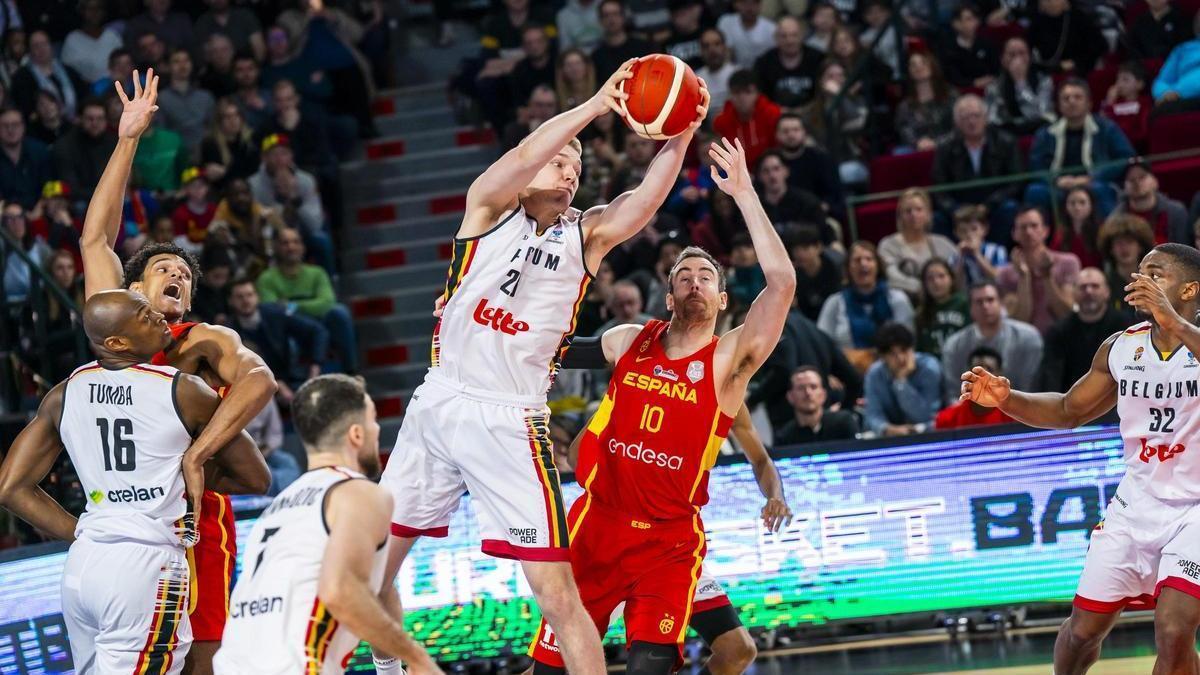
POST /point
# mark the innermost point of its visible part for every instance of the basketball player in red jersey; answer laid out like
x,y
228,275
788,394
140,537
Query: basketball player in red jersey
x,y
166,275
636,533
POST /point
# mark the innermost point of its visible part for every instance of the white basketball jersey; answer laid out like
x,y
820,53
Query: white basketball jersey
x,y
1157,399
277,624
126,439
512,299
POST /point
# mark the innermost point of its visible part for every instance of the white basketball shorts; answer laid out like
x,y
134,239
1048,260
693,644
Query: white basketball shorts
x,y
125,607
1141,547
454,440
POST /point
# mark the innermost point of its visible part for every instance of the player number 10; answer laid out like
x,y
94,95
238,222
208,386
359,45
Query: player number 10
x,y
652,418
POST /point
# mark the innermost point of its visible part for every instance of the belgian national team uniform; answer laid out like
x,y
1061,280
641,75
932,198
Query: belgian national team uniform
x,y
644,461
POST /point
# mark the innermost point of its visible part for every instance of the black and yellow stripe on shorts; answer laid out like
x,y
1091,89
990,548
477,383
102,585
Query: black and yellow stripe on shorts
x,y
537,427
460,264
318,635
158,653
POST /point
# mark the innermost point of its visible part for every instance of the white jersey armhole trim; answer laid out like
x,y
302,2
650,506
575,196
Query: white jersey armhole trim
x,y
325,505
175,403
497,226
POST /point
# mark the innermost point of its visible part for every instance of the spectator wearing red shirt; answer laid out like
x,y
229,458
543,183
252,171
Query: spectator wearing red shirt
x,y
1128,104
195,214
749,116
968,413
1168,218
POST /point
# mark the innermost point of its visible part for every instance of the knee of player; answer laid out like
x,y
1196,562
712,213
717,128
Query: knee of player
x,y
1082,631
1173,630
742,650
557,599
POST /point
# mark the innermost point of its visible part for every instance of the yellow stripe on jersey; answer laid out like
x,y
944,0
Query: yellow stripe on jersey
x,y
710,453
603,415
149,371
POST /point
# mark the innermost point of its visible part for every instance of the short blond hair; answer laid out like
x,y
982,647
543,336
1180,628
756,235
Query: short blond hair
x,y
573,143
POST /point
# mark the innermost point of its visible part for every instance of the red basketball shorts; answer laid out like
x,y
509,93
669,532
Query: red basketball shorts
x,y
212,561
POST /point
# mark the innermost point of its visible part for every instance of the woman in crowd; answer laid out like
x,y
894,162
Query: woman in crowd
x,y
1021,100
851,316
1081,227
845,48
60,336
926,115
906,251
1124,240
18,276
229,150
944,309
45,72
574,79
850,118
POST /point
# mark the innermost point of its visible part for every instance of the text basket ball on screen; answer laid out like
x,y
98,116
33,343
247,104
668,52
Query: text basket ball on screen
x,y
663,95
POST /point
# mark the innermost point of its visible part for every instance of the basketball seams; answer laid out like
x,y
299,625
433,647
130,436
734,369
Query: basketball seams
x,y
656,127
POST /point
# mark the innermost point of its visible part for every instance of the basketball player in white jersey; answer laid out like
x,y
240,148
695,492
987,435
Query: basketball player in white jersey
x,y
1146,551
522,261
309,588
125,425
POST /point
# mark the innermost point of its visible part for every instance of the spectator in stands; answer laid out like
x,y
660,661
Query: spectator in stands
x,y
639,152
252,99
80,156
1072,341
1078,139
943,310
970,61
53,223
1167,217
978,258
849,119
1021,100
809,167
60,338
852,316
1038,286
174,29
574,79
903,388
160,159
716,71
802,344
120,69
625,306
48,124
304,126
251,224
267,431
1124,240
593,311
16,51
578,24
617,46
817,275
925,116
823,20
217,74
650,19
1128,104
689,201
24,162
749,34
183,107
298,203
1065,38
239,24
1018,343
784,204
877,14
537,65
229,150
193,216
501,33
273,332
977,150
1158,30
748,116
962,414
788,73
308,290
745,277
284,62
45,72
211,300
810,420
1080,227
151,52
542,105
913,244
18,275
88,47
686,23
847,50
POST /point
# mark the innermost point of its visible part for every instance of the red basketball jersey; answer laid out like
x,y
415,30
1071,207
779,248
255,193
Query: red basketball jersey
x,y
178,331
648,449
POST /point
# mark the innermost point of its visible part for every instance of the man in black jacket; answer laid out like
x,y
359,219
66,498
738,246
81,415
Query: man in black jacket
x,y
977,150
1158,30
1072,341
80,156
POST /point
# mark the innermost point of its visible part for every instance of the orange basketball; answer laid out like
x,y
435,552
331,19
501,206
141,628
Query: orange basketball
x,y
663,95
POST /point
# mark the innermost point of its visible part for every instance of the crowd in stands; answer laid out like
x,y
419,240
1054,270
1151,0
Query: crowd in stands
x,y
257,103
1039,203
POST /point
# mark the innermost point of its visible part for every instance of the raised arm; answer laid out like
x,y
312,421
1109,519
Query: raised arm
x,y
1093,395
752,342
775,513
102,223
607,226
497,188
29,459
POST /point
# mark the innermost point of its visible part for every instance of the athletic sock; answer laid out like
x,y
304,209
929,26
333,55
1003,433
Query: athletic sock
x,y
387,666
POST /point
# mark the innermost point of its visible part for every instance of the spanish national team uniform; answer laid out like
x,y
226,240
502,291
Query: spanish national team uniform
x,y
213,557
1150,536
277,624
636,532
125,583
479,421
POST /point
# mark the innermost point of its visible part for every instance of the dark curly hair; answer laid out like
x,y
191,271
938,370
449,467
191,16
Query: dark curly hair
x,y
135,268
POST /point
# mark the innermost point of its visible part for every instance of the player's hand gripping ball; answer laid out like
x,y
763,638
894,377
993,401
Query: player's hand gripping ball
x,y
663,95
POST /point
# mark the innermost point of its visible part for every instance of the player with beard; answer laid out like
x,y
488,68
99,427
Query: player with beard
x,y
167,275
314,563
636,533
1146,551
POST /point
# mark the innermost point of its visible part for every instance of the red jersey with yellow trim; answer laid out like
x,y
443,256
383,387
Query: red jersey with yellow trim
x,y
648,449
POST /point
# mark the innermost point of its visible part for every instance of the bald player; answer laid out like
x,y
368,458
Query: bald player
x,y
126,426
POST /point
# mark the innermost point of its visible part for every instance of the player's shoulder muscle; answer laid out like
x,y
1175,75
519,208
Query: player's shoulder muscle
x,y
1100,360
359,504
480,218
618,339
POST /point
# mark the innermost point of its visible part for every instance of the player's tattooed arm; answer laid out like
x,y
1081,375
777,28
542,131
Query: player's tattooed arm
x,y
241,468
1093,395
775,513
29,459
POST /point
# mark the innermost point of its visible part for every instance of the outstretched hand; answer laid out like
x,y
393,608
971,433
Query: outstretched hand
x,y
140,109
610,95
984,388
730,158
